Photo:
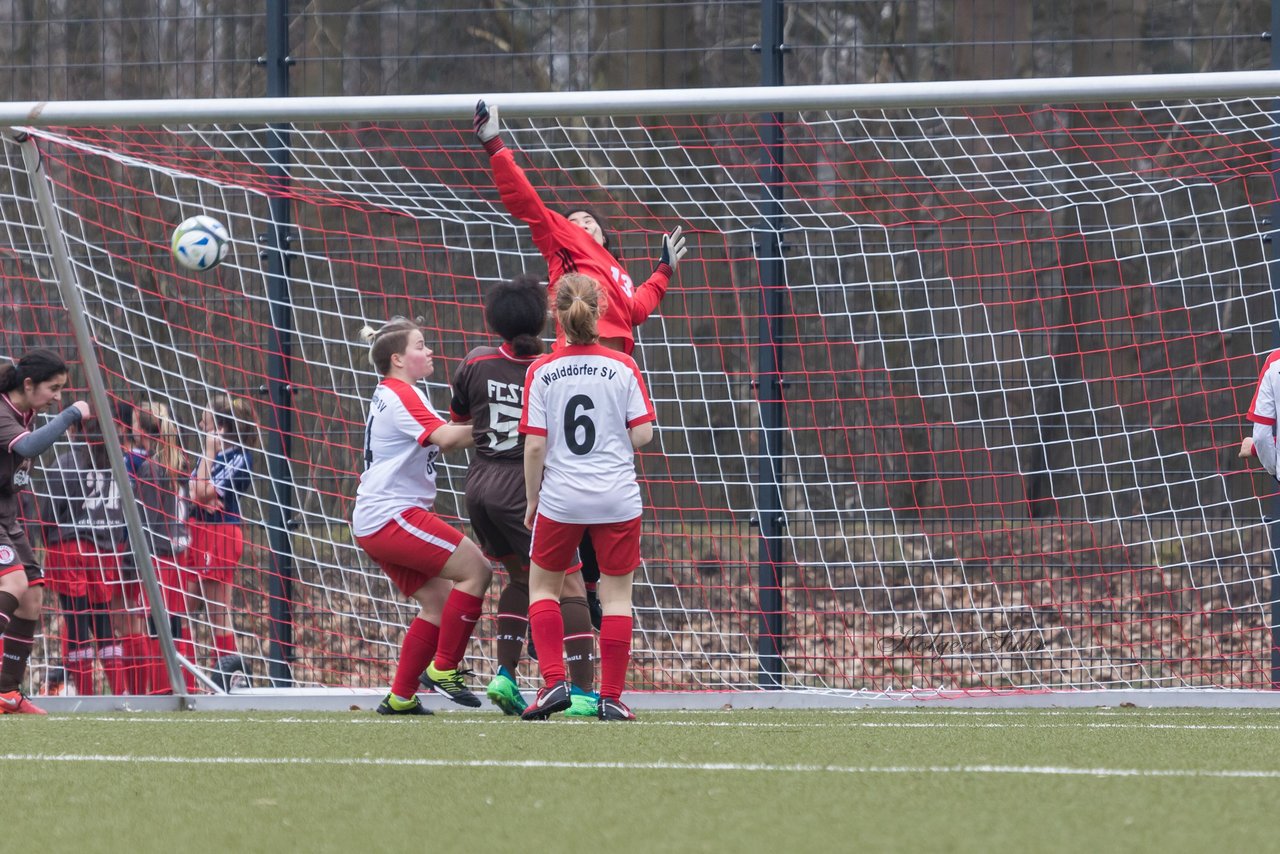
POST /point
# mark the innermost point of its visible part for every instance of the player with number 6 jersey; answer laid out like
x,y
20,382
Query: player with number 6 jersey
x,y
586,411
428,560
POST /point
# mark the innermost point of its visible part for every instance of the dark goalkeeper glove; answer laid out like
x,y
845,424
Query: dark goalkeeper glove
x,y
673,249
487,128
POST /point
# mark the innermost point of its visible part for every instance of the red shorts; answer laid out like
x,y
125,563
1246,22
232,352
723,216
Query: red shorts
x,y
214,552
77,568
617,544
170,576
412,548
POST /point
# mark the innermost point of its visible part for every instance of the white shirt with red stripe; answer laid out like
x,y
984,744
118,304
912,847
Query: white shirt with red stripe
x,y
399,459
584,398
1263,413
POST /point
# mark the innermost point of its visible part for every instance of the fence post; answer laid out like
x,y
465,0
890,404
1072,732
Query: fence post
x,y
768,246
276,253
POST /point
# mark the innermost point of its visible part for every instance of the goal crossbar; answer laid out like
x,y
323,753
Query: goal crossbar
x,y
747,99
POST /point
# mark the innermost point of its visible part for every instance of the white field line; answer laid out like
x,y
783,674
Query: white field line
x,y
697,767
448,720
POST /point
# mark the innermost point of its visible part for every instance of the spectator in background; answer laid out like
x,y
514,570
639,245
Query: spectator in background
x,y
160,475
126,415
84,537
220,481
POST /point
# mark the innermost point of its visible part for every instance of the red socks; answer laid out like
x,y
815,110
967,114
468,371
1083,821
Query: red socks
x,y
111,657
547,627
420,643
615,654
77,661
457,622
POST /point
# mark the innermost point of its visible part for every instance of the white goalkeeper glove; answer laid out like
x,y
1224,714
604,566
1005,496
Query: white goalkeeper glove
x,y
673,248
486,126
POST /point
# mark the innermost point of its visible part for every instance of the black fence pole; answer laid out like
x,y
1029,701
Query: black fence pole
x,y
769,250
276,253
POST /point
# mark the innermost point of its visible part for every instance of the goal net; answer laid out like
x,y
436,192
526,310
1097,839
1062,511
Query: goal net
x,y
1017,344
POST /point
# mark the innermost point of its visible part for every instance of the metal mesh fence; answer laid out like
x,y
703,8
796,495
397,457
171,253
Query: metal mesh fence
x,y
67,49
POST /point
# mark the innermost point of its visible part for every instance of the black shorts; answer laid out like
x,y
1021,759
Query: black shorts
x,y
16,553
496,506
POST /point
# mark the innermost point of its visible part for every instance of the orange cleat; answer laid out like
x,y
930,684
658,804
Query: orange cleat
x,y
16,703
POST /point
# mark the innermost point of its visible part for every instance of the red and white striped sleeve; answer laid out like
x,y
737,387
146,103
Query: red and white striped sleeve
x,y
414,416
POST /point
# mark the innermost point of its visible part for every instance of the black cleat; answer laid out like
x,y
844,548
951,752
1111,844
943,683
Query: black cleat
x,y
391,706
448,683
613,709
551,699
229,673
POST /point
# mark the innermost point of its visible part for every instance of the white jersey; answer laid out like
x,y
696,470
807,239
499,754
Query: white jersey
x,y
399,461
584,398
1263,413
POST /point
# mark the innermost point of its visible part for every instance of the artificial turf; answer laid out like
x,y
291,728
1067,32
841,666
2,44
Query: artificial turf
x,y
910,780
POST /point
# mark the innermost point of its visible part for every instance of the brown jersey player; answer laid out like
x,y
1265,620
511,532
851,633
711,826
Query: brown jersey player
x,y
488,391
27,388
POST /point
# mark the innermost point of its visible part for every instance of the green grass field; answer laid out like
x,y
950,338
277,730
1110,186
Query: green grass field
x,y
911,780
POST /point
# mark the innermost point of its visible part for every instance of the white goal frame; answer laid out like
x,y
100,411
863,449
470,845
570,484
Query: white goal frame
x,y
23,117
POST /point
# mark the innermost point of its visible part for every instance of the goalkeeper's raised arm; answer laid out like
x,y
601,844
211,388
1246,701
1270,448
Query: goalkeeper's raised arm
x,y
578,242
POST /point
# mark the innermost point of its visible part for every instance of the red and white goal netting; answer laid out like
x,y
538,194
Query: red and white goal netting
x,y
1017,346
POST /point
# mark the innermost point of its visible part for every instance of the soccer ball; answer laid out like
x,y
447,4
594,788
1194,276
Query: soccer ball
x,y
200,243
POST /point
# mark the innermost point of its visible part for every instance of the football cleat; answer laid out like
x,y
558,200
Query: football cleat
x,y
551,699
393,705
229,673
613,709
448,683
582,704
504,693
16,703
55,683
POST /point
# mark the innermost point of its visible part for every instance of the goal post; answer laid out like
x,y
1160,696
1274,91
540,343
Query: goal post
x,y
1017,329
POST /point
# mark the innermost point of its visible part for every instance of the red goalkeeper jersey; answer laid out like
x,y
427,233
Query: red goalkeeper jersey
x,y
569,249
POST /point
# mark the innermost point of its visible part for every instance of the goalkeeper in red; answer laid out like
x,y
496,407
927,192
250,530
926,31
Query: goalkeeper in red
x,y
574,242
586,411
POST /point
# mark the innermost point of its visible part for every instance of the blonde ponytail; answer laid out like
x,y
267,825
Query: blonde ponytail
x,y
579,304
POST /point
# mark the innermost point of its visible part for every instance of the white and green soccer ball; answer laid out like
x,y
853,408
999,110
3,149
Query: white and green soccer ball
x,y
200,243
